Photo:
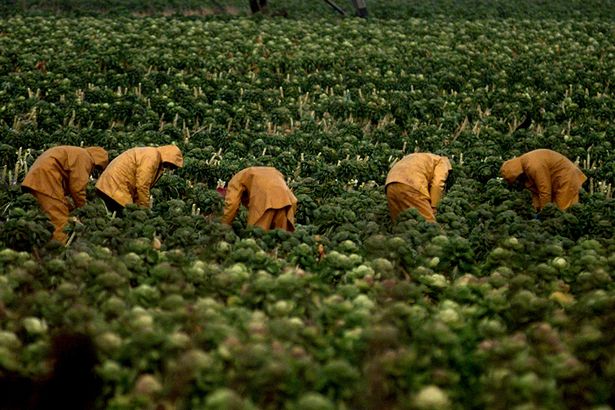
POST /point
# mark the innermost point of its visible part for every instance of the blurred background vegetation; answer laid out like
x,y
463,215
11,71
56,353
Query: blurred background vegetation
x,y
380,9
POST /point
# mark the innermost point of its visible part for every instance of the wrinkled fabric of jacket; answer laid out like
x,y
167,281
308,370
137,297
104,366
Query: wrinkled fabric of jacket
x,y
65,171
130,176
259,189
550,177
424,172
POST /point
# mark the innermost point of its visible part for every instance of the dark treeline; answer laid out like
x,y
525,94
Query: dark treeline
x,y
381,9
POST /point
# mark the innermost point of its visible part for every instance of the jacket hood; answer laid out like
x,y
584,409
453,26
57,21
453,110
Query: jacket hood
x,y
171,155
511,170
581,176
99,155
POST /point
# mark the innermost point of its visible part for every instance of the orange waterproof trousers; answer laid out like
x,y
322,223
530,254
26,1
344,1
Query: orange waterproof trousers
x,y
401,197
57,211
276,219
566,196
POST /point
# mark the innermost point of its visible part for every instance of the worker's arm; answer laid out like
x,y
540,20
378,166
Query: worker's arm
x,y
232,200
146,172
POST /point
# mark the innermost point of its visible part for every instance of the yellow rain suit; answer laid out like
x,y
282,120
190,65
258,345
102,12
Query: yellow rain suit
x,y
550,177
417,181
264,192
60,172
130,176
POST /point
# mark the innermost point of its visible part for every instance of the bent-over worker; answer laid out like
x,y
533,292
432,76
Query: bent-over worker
x,y
550,177
130,176
417,181
61,172
270,203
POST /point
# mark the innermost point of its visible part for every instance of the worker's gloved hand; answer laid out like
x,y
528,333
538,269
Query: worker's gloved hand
x,y
221,191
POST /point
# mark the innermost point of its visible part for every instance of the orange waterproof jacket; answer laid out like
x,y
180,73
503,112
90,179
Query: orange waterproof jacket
x,y
424,172
129,177
550,176
65,171
259,189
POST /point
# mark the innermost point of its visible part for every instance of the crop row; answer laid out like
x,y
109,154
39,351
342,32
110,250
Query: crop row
x,y
463,90
488,308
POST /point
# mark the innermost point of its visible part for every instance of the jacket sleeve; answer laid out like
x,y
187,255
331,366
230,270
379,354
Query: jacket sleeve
x,y
542,181
439,180
146,172
78,180
536,201
233,199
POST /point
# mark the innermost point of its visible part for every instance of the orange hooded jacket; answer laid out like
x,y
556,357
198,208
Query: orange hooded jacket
x,y
129,177
424,172
259,189
550,177
65,171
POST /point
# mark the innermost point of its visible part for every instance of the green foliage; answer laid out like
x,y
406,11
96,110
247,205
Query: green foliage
x,y
23,226
491,307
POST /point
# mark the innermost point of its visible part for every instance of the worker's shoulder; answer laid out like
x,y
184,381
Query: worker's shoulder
x,y
546,156
544,152
144,150
65,149
420,157
62,153
140,153
260,170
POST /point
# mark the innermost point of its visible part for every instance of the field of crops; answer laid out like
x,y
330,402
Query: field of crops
x,y
489,308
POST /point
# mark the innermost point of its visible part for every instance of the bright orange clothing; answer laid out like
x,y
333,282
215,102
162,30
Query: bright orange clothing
x,y
401,197
261,190
65,171
129,177
276,219
57,211
424,175
60,172
550,177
